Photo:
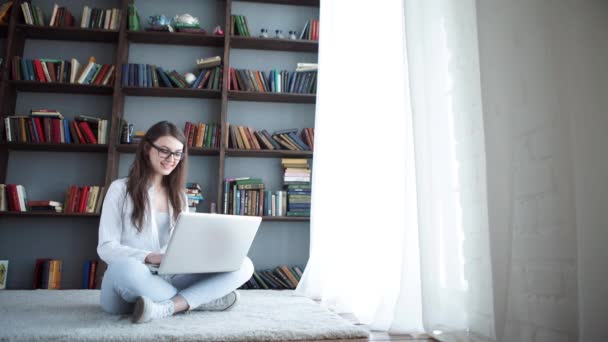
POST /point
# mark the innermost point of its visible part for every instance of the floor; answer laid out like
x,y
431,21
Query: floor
x,y
383,336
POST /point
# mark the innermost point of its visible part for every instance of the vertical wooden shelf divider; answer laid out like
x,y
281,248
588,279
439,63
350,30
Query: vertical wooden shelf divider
x,y
8,96
118,98
224,111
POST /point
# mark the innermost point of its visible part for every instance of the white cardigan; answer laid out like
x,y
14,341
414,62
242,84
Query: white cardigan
x,y
118,237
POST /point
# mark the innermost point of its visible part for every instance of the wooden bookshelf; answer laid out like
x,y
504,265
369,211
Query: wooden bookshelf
x,y
175,38
193,151
45,214
172,92
55,87
238,42
68,33
231,152
271,97
51,147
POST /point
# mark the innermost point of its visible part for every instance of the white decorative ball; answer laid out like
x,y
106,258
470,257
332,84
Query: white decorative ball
x,y
190,78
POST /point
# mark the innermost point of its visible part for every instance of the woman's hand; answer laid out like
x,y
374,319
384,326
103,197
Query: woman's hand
x,y
154,258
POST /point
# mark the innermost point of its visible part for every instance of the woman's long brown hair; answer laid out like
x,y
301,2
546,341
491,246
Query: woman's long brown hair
x,y
141,173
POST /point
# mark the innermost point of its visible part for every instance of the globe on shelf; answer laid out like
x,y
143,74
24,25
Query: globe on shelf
x,y
190,78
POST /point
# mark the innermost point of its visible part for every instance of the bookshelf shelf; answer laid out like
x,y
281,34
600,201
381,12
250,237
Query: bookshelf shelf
x,y
54,87
309,3
45,214
175,38
271,97
172,92
50,147
68,33
193,151
231,152
238,42
285,218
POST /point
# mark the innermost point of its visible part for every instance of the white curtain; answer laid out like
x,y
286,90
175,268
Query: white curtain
x,y
399,227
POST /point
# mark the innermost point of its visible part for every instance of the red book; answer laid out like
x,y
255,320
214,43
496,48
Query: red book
x,y
78,133
39,70
56,131
207,74
187,129
37,283
76,199
88,133
84,196
13,196
101,74
233,80
92,271
38,127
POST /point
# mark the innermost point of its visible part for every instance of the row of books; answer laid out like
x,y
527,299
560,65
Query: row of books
x,y
202,134
48,126
99,18
239,26
242,137
247,196
62,71
274,81
47,274
84,199
5,11
311,30
280,278
152,76
194,193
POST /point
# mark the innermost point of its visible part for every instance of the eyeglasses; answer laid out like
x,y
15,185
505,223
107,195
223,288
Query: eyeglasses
x,y
166,154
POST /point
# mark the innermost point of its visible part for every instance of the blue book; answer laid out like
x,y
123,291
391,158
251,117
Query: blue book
x,y
30,69
298,141
163,77
198,79
24,70
66,131
140,75
125,75
85,274
91,73
267,203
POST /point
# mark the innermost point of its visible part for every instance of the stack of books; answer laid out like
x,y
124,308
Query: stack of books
x,y
13,197
195,196
152,76
47,274
49,126
244,196
296,179
61,16
50,206
203,135
280,278
84,199
32,15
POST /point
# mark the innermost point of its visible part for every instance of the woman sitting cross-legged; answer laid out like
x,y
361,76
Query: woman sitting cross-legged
x,y
138,216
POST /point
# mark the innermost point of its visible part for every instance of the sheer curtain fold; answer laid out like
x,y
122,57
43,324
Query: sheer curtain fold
x,y
399,229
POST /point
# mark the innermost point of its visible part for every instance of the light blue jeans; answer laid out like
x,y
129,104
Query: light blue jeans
x,y
126,280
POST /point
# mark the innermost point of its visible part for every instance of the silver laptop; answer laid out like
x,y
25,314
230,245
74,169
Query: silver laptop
x,y
205,243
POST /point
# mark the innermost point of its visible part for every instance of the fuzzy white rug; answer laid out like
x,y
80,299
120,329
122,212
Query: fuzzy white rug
x,y
261,315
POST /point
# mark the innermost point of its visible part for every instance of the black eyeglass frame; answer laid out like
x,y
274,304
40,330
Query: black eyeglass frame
x,y
176,155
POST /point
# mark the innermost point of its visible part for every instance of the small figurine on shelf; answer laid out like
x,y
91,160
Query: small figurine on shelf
x,y
159,22
279,34
218,31
264,33
292,35
126,136
190,78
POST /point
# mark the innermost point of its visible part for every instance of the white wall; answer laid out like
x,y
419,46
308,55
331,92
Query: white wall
x,y
543,83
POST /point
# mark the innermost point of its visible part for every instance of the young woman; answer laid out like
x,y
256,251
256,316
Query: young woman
x,y
138,215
